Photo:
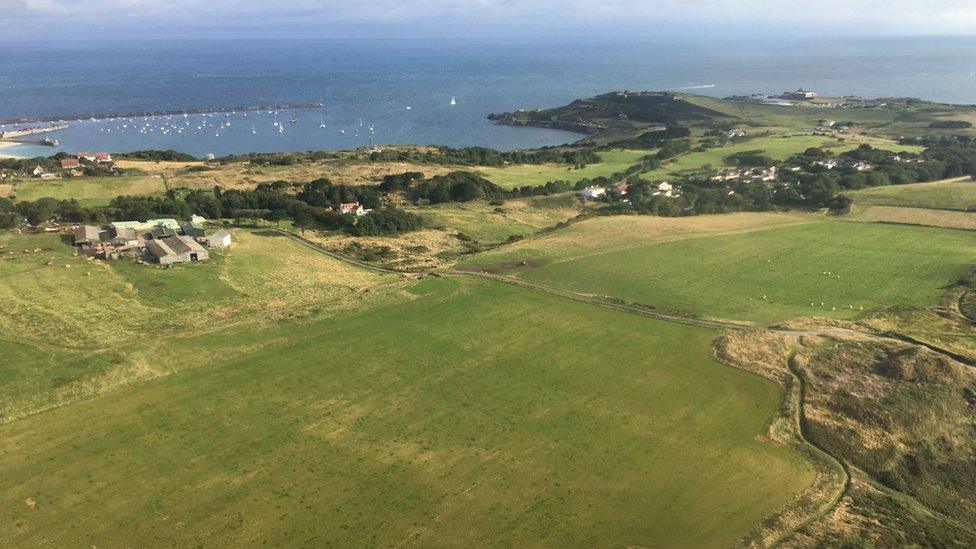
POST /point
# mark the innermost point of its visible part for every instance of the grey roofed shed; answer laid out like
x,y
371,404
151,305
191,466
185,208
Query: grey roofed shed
x,y
86,234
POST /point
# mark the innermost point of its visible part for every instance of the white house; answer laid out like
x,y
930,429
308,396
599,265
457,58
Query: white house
x,y
220,239
354,208
38,171
593,192
665,189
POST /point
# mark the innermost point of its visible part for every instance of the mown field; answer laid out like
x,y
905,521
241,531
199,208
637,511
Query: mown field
x,y
768,275
472,413
535,174
89,191
914,216
85,327
951,194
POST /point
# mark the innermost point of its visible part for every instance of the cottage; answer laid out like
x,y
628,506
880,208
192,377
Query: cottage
x,y
192,229
220,239
176,249
50,176
70,163
38,171
354,208
89,156
102,158
86,236
592,192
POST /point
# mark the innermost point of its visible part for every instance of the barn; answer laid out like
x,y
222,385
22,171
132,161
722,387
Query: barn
x,y
176,249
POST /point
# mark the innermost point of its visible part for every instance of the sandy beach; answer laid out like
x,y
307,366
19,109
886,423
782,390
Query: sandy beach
x,y
4,149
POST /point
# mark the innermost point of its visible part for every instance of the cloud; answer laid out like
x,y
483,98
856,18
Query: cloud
x,y
295,17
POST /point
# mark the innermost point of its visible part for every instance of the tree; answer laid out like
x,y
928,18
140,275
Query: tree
x,y
302,219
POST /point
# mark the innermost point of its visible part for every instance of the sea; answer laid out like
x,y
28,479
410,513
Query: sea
x,y
403,89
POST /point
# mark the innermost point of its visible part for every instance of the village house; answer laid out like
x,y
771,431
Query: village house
x,y
176,249
47,175
592,192
664,189
220,239
96,157
799,95
862,166
38,171
829,164
353,208
70,164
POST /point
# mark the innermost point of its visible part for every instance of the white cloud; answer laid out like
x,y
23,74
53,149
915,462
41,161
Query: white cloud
x,y
870,15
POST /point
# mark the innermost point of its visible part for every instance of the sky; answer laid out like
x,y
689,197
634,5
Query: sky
x,y
47,20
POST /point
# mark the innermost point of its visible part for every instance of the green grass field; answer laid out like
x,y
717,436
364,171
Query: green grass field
x,y
91,327
952,194
90,191
534,174
726,276
473,414
777,147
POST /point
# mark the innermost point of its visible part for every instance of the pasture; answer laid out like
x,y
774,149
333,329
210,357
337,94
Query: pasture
x,y
771,275
469,414
778,147
914,216
56,303
509,177
950,194
89,191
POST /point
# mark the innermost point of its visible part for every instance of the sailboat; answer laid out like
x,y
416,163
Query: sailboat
x,y
253,129
453,100
281,128
293,119
322,124
276,123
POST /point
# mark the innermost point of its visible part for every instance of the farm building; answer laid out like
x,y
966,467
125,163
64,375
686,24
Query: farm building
x,y
592,192
191,228
87,236
220,239
123,237
169,223
161,232
176,249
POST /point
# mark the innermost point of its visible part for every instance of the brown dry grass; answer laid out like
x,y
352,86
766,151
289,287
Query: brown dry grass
x,y
243,175
5,190
427,249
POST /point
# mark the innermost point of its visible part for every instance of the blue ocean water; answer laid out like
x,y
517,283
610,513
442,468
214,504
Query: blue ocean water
x,y
375,81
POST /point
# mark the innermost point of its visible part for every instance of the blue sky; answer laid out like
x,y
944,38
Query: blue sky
x,y
86,19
